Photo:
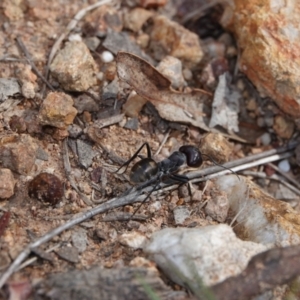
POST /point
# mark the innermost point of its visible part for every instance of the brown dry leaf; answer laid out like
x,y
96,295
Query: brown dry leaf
x,y
173,106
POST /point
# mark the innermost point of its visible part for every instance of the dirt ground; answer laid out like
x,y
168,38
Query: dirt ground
x,y
98,242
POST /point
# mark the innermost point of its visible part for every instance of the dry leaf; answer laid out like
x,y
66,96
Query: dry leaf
x,y
171,105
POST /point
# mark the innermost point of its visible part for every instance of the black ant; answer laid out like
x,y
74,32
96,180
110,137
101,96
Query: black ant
x,y
147,171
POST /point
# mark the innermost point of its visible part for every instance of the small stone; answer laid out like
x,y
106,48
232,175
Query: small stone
x,y
111,90
7,183
216,146
284,165
57,110
110,72
181,213
70,254
155,206
9,87
266,139
85,103
42,154
96,174
85,153
74,67
75,37
107,57
143,40
217,207
133,239
171,67
269,121
28,90
79,239
59,134
133,105
92,42
101,20
85,188
251,105
283,127
135,19
173,39
187,74
74,131
47,188
132,124
18,153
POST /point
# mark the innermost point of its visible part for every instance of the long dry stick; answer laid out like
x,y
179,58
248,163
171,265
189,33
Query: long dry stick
x,y
135,196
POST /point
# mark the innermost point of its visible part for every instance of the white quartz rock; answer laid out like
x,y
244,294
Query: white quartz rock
x,y
208,254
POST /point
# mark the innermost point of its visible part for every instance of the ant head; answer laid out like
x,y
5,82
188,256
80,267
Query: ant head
x,y
193,156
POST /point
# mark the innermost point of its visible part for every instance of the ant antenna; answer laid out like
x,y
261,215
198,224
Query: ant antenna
x,y
219,165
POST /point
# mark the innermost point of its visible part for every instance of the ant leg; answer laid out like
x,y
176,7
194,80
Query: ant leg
x,y
182,179
148,196
136,154
179,178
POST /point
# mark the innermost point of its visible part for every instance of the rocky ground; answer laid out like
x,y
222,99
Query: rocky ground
x,y
79,95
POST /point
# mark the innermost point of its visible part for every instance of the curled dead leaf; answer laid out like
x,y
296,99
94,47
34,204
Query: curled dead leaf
x,y
189,108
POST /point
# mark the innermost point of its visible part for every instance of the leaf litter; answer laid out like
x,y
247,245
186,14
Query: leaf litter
x,y
189,108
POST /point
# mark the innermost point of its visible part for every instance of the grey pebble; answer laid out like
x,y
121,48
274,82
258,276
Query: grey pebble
x,y
132,123
181,213
70,254
85,153
79,239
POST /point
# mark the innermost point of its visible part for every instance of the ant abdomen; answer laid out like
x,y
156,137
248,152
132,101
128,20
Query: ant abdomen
x,y
193,155
143,170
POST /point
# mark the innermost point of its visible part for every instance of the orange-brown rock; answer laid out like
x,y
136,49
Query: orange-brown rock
x,y
7,183
57,110
173,39
18,153
268,35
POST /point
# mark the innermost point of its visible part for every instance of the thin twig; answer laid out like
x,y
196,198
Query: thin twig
x,y
33,259
72,24
249,161
263,175
250,158
29,60
163,142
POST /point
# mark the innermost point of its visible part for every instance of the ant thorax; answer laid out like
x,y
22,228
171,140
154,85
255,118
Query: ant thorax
x,y
173,162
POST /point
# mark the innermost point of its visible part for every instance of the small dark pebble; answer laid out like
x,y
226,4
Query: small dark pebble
x,y
96,174
47,188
